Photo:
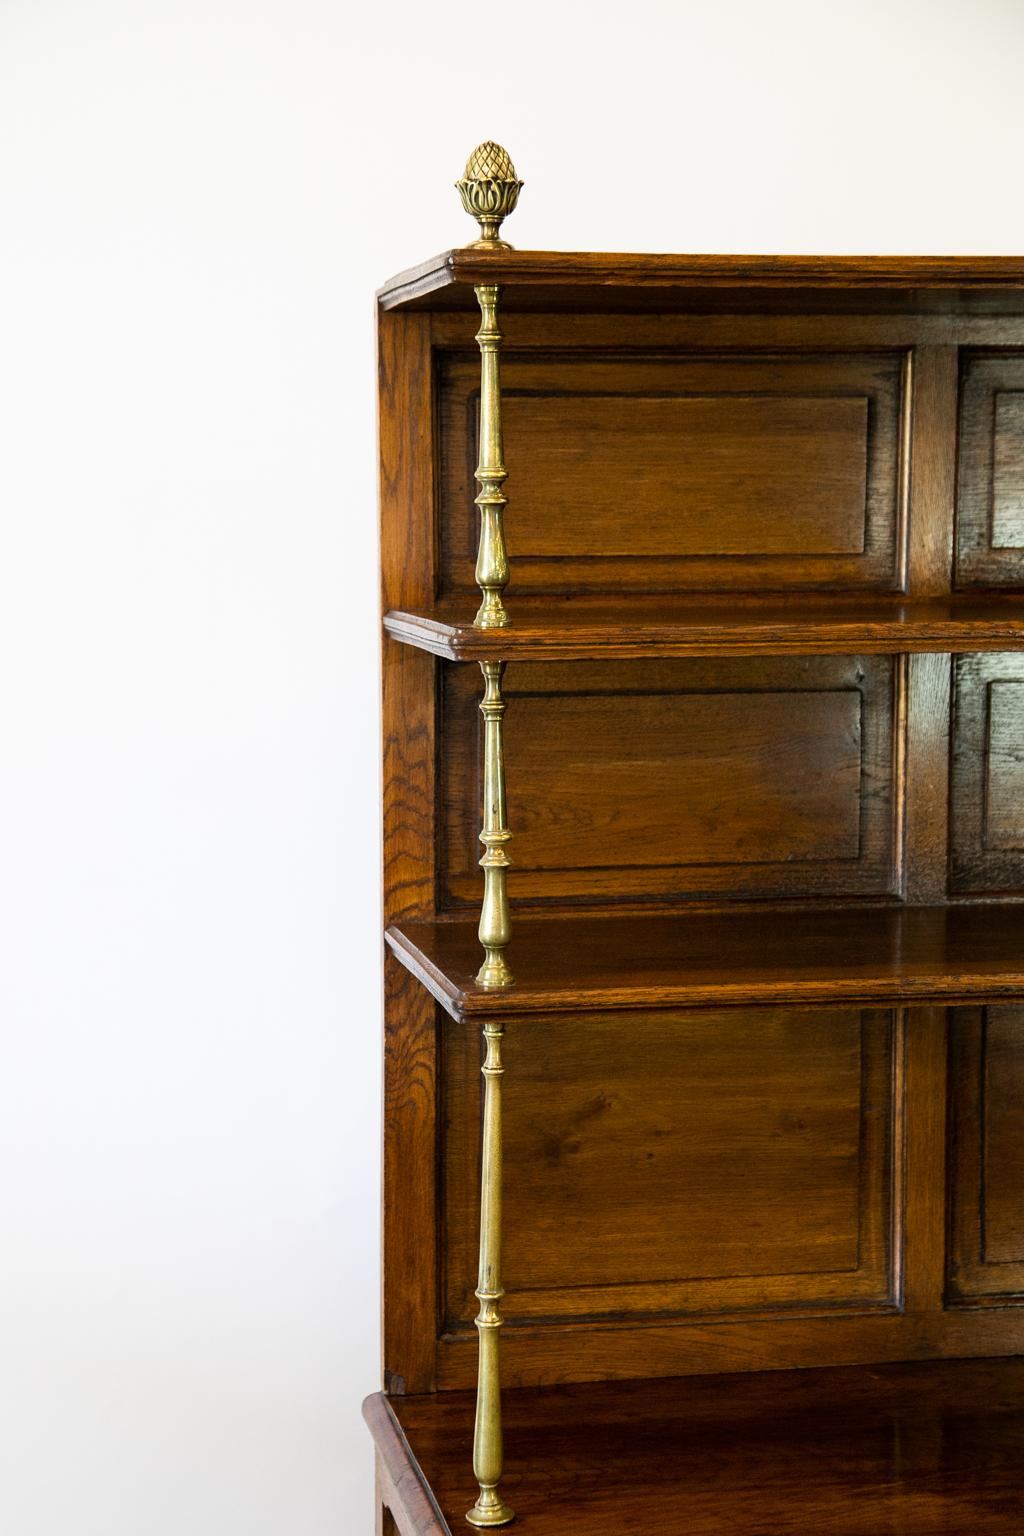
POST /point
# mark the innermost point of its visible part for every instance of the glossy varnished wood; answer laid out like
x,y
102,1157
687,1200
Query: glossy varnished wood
x,y
925,1450
679,470
738,1140
580,628
866,955
648,1186
408,750
609,280
778,772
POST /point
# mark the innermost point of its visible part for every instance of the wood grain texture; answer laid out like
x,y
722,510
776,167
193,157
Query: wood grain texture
x,y
596,280
409,855
987,1218
405,1498
680,778
760,471
589,628
739,675
691,1164
932,424
917,1450
923,1158
987,786
578,1350
923,775
869,955
990,515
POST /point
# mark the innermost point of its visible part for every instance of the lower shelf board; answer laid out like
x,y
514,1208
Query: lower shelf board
x,y
871,955
895,1450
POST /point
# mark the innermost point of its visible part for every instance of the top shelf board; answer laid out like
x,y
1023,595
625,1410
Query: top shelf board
x,y
585,628
585,280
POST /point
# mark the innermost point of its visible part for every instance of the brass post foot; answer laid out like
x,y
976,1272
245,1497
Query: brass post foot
x,y
489,1509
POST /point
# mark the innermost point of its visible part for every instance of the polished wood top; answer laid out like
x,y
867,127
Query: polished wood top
x,y
914,1449
556,628
614,280
804,955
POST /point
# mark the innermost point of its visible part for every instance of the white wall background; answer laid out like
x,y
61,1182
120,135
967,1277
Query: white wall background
x,y
197,200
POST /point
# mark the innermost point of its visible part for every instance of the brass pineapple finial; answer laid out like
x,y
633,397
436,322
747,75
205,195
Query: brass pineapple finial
x,y
489,190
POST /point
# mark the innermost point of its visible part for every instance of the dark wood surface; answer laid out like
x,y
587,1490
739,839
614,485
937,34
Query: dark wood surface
x,y
643,1186
987,784
566,628
733,777
409,855
921,1450
865,955
742,471
596,280
743,552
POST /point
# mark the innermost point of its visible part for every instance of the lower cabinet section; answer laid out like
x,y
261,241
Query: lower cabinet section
x,y
920,1450
740,1188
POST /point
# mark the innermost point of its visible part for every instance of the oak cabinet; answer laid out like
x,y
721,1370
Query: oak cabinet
x,y
745,771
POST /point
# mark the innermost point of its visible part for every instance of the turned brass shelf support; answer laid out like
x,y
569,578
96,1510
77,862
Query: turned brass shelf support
x,y
490,190
495,918
488,1452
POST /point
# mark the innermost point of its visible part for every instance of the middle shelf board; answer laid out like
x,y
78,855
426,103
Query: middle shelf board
x,y
800,623
876,955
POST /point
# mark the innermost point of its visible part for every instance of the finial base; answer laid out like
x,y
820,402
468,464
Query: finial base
x,y
489,1510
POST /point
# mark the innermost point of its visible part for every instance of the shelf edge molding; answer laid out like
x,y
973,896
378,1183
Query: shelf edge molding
x,y
628,631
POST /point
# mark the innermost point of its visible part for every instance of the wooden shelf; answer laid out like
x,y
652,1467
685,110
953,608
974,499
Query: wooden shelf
x,y
868,955
615,281
569,629
914,1449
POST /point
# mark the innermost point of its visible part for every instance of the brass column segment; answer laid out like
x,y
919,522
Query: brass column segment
x,y
492,558
495,919
490,1509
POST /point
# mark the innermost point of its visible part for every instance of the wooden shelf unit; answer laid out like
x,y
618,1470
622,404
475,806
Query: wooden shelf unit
x,y
756,1082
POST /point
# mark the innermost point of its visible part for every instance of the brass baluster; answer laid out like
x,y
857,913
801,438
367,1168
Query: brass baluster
x,y
495,919
490,190
492,556
488,1454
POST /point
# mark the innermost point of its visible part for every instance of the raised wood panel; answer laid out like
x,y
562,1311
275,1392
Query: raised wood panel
x,y
682,471
987,1229
740,777
990,511
679,1163
987,809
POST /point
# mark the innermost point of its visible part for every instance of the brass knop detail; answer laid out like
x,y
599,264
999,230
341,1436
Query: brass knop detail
x,y
489,190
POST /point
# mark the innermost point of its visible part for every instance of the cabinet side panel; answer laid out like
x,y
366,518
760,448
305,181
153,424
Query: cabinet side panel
x,y
408,715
